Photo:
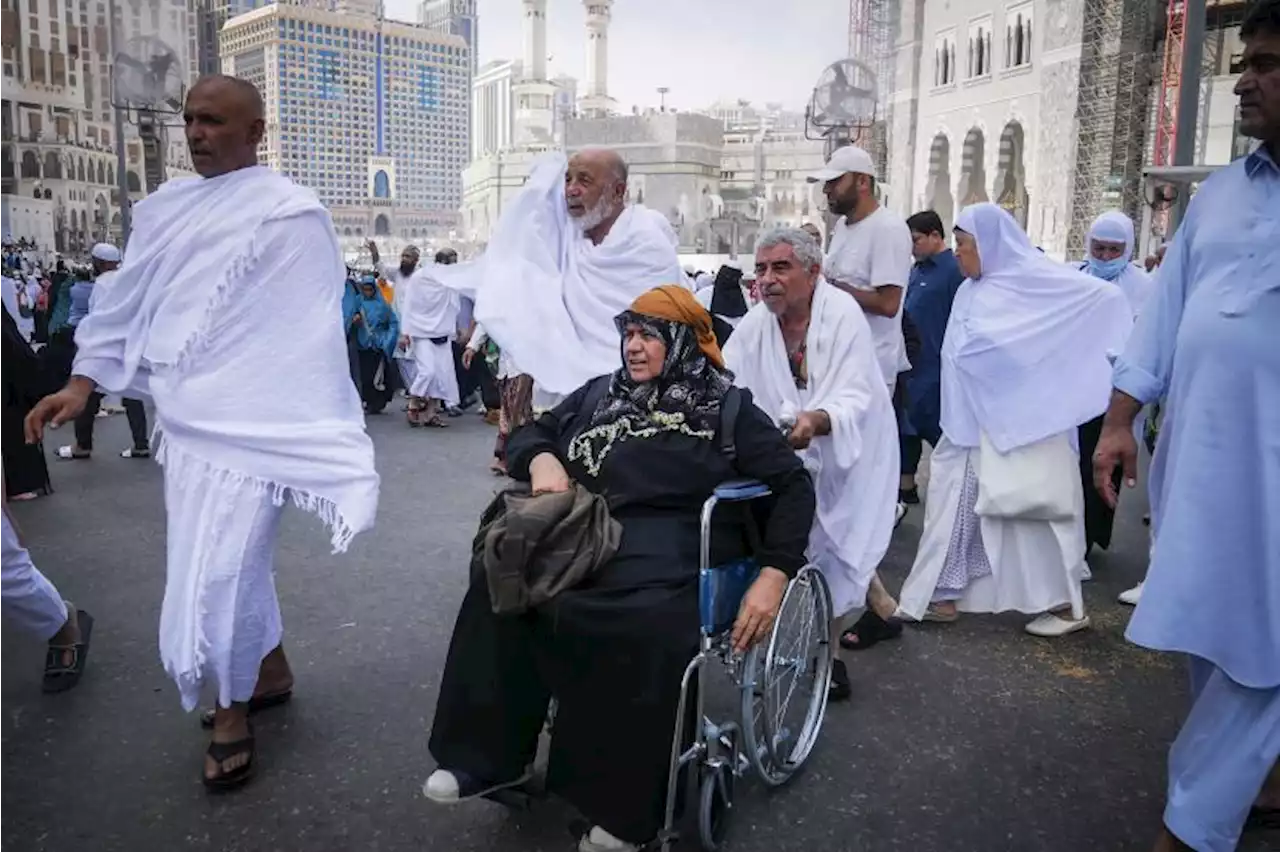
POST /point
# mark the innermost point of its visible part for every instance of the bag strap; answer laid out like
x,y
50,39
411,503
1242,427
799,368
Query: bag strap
x,y
730,405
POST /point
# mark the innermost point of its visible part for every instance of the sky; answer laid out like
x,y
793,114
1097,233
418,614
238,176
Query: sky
x,y
703,50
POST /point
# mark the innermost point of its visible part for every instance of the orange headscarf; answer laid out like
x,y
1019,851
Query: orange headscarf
x,y
675,303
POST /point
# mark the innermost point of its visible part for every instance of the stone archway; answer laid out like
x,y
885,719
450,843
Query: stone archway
x,y
132,182
1011,173
938,196
30,164
102,173
52,166
973,170
382,226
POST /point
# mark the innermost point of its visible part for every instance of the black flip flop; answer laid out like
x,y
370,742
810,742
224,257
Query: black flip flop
x,y
236,778
59,677
869,630
840,689
257,704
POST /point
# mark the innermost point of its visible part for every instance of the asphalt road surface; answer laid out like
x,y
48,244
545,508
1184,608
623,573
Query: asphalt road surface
x,y
970,736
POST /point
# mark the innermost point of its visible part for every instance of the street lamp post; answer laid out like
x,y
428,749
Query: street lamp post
x,y
662,98
122,166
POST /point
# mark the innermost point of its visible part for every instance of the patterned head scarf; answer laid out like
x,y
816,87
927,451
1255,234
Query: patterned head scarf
x,y
693,379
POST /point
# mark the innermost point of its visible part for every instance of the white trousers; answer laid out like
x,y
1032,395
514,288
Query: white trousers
x,y
29,599
435,377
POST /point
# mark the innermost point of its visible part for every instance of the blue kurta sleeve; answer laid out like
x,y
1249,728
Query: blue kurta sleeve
x,y
1143,370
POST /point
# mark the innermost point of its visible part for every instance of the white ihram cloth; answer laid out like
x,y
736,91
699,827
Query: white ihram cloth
x,y
855,468
548,295
431,313
1025,357
228,303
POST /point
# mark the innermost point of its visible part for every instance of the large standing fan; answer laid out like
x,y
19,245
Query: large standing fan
x,y
147,76
843,103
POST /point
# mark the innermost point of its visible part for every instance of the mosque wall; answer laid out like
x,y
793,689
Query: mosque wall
x,y
674,160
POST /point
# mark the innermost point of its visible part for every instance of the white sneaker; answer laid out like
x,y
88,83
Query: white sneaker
x,y
599,840
1050,626
441,787
899,514
1131,596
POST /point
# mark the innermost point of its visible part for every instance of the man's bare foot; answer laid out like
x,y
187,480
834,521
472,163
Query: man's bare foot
x,y
67,636
229,767
274,675
879,599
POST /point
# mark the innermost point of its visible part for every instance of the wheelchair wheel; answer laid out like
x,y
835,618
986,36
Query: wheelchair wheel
x,y
755,738
715,803
797,671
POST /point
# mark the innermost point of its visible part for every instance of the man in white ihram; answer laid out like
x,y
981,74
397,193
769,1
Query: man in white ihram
x,y
869,257
228,303
807,356
567,256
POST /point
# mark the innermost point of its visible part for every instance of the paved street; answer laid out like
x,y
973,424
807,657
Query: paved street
x,y
972,736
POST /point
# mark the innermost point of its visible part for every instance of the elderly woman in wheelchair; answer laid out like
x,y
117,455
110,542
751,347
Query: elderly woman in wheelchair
x,y
615,649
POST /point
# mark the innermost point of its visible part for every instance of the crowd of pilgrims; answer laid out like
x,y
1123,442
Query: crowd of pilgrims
x,y
624,389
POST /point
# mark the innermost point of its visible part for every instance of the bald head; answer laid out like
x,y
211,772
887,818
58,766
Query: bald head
x,y
225,122
595,190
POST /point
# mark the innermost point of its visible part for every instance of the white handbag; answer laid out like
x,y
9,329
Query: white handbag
x,y
1037,482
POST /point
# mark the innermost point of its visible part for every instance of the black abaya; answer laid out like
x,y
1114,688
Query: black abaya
x,y
1099,518
613,649
24,380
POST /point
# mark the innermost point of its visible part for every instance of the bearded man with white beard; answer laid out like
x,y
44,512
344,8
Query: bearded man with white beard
x,y
568,255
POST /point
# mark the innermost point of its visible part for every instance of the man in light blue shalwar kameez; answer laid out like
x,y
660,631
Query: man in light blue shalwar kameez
x,y
1209,343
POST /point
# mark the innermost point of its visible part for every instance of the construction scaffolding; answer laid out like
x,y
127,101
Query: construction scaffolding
x,y
872,37
1116,67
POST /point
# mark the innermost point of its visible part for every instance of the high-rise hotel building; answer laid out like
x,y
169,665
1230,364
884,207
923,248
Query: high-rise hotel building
x,y
370,113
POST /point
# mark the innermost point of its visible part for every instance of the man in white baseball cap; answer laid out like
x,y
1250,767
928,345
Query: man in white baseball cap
x,y
105,259
869,257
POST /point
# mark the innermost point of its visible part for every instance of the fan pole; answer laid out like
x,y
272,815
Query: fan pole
x,y
122,175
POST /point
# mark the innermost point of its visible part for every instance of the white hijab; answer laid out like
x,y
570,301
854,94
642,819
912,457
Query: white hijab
x,y
1133,280
1026,350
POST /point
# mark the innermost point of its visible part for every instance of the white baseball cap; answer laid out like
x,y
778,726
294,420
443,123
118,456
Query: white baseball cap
x,y
106,253
844,160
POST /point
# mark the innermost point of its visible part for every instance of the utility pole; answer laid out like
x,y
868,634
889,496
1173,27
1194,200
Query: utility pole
x,y
662,98
122,166
1184,140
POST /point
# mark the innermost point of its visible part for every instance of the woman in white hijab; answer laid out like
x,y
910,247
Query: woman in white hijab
x,y
1109,247
1024,362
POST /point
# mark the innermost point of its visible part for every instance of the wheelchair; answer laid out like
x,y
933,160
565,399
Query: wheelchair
x,y
776,724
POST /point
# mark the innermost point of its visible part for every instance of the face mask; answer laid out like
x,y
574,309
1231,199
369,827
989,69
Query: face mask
x,y
1107,270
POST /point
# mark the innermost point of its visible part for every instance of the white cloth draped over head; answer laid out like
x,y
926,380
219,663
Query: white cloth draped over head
x,y
430,312
1025,354
548,295
1133,280
430,308
228,307
855,468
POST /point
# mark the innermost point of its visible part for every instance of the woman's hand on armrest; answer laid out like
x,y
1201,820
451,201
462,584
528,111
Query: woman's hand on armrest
x,y
547,475
759,608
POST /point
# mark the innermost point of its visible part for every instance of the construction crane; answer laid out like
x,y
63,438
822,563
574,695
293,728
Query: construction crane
x,y
1170,83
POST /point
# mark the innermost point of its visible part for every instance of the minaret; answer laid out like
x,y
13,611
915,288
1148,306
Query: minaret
x,y
535,39
534,95
596,101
